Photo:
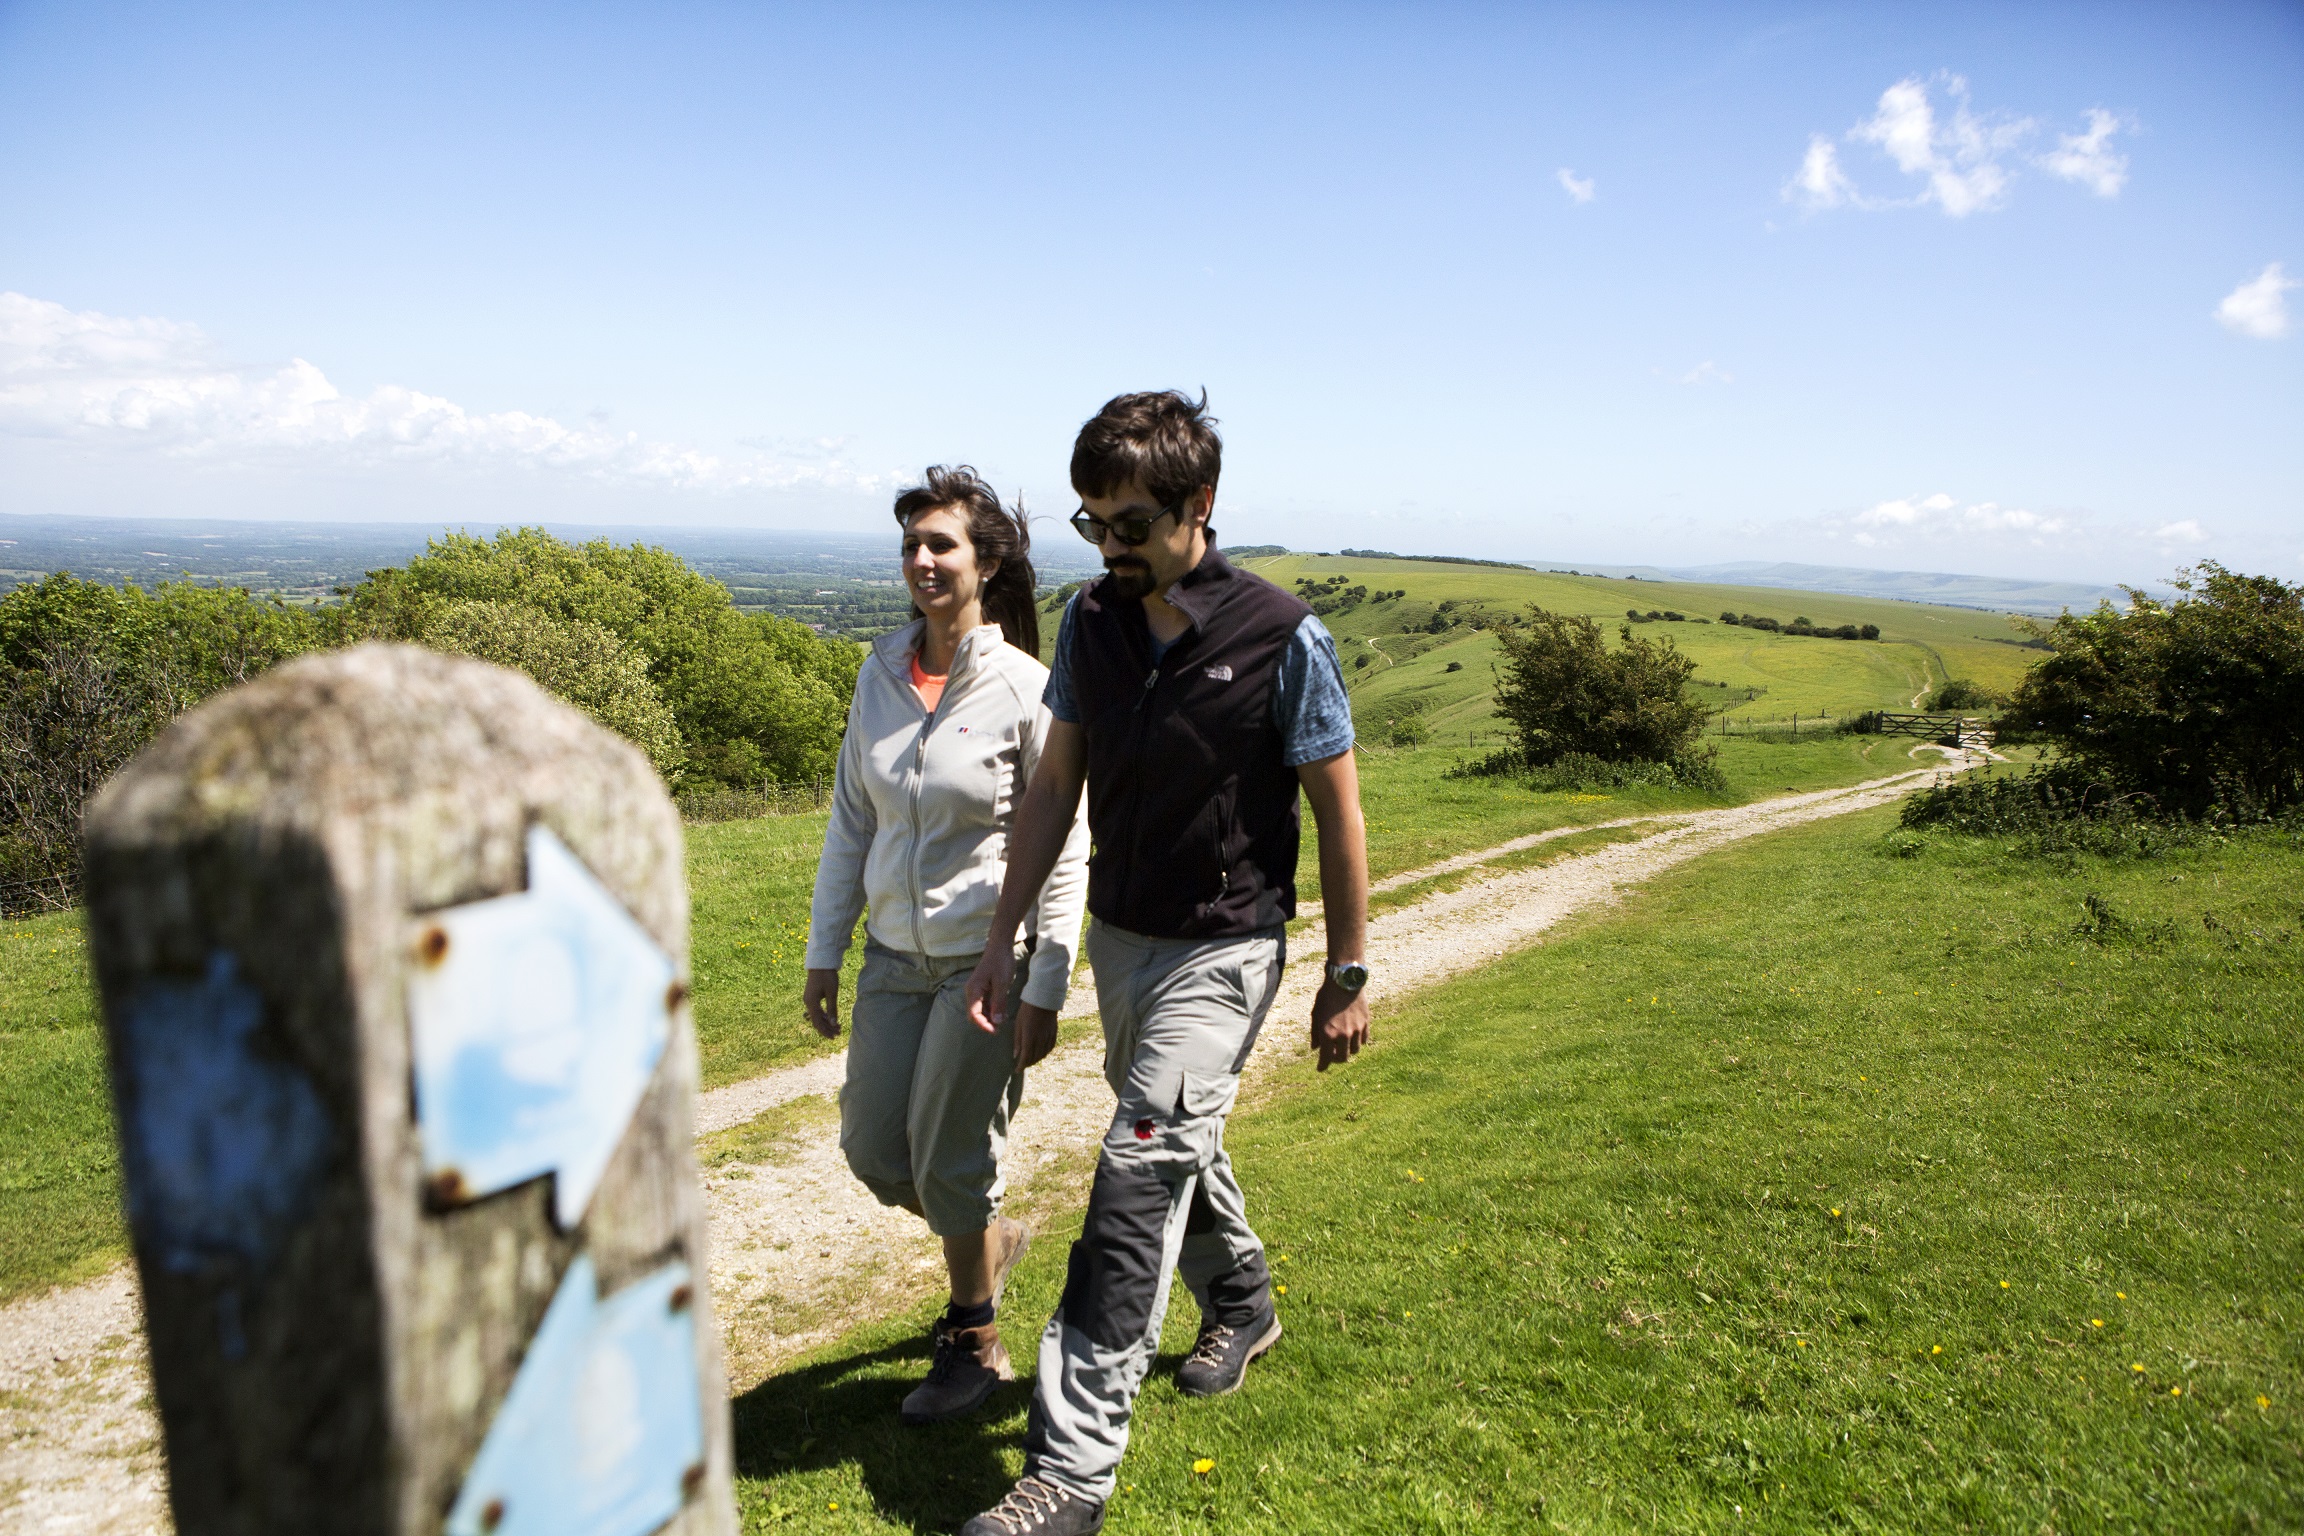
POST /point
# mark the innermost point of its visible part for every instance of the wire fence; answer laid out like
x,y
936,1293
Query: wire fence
x,y
747,804
48,893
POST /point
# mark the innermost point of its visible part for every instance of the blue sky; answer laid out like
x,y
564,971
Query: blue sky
x,y
2000,289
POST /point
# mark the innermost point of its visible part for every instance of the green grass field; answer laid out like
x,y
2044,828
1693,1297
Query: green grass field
x,y
1749,674
750,882
1820,1187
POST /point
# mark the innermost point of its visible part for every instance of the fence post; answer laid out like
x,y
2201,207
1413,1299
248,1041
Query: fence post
x,y
392,950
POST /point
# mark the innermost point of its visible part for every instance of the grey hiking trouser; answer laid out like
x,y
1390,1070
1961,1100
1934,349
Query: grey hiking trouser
x,y
924,1111
1180,1017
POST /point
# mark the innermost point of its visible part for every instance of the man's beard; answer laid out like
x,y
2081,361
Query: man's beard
x,y
1130,577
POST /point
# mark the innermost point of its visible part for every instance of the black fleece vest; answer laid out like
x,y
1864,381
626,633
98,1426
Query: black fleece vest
x,y
1191,810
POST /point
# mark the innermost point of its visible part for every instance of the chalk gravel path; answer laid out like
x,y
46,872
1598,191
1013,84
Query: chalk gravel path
x,y
800,1253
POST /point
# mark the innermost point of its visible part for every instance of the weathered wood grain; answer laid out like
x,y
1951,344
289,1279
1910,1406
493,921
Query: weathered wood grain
x,y
335,1367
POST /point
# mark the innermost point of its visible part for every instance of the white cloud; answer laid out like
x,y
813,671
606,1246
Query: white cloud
x,y
1960,160
1820,183
1943,517
1581,188
2187,531
1707,372
2259,306
162,385
2088,158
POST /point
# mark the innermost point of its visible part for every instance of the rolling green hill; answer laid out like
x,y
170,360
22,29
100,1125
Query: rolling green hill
x,y
1398,651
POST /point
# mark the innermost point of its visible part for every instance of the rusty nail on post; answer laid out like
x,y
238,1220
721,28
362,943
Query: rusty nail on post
x,y
691,1480
433,947
674,996
446,1188
680,1297
492,1515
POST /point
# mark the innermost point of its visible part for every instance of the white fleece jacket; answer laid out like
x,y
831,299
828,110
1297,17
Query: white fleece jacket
x,y
921,806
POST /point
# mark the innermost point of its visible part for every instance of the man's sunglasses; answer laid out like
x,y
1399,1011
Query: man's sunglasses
x,y
1130,529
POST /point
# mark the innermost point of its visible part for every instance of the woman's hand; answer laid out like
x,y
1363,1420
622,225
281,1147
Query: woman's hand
x,y
1035,1034
822,1000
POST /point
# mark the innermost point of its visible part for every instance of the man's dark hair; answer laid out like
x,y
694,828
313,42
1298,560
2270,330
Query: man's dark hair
x,y
1161,439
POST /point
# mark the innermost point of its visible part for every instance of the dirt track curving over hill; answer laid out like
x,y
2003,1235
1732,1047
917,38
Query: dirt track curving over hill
x,y
800,1253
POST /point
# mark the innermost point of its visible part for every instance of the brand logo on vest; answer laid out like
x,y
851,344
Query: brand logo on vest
x,y
1220,672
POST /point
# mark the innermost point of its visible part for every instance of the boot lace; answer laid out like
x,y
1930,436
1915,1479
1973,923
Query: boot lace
x,y
949,1348
1212,1346
1031,1502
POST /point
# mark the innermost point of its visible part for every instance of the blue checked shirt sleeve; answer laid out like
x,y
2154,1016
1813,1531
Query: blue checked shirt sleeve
x,y
1309,704
1058,694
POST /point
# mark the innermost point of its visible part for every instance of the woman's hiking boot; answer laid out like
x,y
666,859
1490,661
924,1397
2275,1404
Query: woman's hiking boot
x,y
1038,1508
1220,1359
968,1365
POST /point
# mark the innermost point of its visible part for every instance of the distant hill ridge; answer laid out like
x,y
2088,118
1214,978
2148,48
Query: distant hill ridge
x,y
1999,593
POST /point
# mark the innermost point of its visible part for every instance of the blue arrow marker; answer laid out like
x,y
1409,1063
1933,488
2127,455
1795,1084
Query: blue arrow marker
x,y
538,1019
602,1433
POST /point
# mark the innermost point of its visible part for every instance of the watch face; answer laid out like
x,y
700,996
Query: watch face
x,y
1350,977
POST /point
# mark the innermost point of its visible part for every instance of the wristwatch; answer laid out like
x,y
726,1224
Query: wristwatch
x,y
1349,975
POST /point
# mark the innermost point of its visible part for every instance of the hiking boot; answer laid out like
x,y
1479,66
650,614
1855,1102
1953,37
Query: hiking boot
x,y
1038,1508
1219,1361
969,1364
1011,1238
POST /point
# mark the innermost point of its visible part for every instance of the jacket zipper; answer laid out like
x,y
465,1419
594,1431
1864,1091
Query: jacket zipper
x,y
919,782
1136,745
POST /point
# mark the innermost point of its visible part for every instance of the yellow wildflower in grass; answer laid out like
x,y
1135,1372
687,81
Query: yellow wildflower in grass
x,y
2262,1401
1803,1343
2095,1322
2175,1391
1835,1210
1280,1290
1939,1349
2003,1285
2138,1366
1204,1466
2123,1295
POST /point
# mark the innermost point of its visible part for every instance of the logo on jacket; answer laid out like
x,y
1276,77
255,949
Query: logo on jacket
x,y
1220,672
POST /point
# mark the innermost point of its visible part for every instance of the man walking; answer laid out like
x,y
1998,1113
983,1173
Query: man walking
x,y
1193,701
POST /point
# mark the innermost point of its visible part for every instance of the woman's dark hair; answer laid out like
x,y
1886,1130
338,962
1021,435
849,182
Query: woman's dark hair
x,y
1010,599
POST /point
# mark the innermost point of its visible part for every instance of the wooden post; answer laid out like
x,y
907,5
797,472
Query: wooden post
x,y
340,1322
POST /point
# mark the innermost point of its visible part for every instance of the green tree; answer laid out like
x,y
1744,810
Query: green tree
x,y
2195,703
758,699
574,659
1565,692
88,674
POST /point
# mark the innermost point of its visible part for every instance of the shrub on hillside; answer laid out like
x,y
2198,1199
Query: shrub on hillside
x,y
573,659
1581,771
2192,706
1564,691
2059,808
1958,693
758,699
88,674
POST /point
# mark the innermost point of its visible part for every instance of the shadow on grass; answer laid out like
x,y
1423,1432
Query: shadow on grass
x,y
844,1411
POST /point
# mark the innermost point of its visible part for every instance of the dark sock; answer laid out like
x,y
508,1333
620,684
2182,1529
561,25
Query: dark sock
x,y
970,1317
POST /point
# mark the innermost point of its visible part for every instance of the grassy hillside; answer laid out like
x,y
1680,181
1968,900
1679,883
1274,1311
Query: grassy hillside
x,y
1748,674
1820,1188
59,1200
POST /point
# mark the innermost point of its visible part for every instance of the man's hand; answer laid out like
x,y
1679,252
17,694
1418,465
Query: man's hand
x,y
1339,1023
822,1001
1035,1034
988,988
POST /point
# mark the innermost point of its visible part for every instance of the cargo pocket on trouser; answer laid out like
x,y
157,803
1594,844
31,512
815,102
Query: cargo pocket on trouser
x,y
1207,1094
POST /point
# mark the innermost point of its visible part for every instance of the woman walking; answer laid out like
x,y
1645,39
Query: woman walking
x,y
943,736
